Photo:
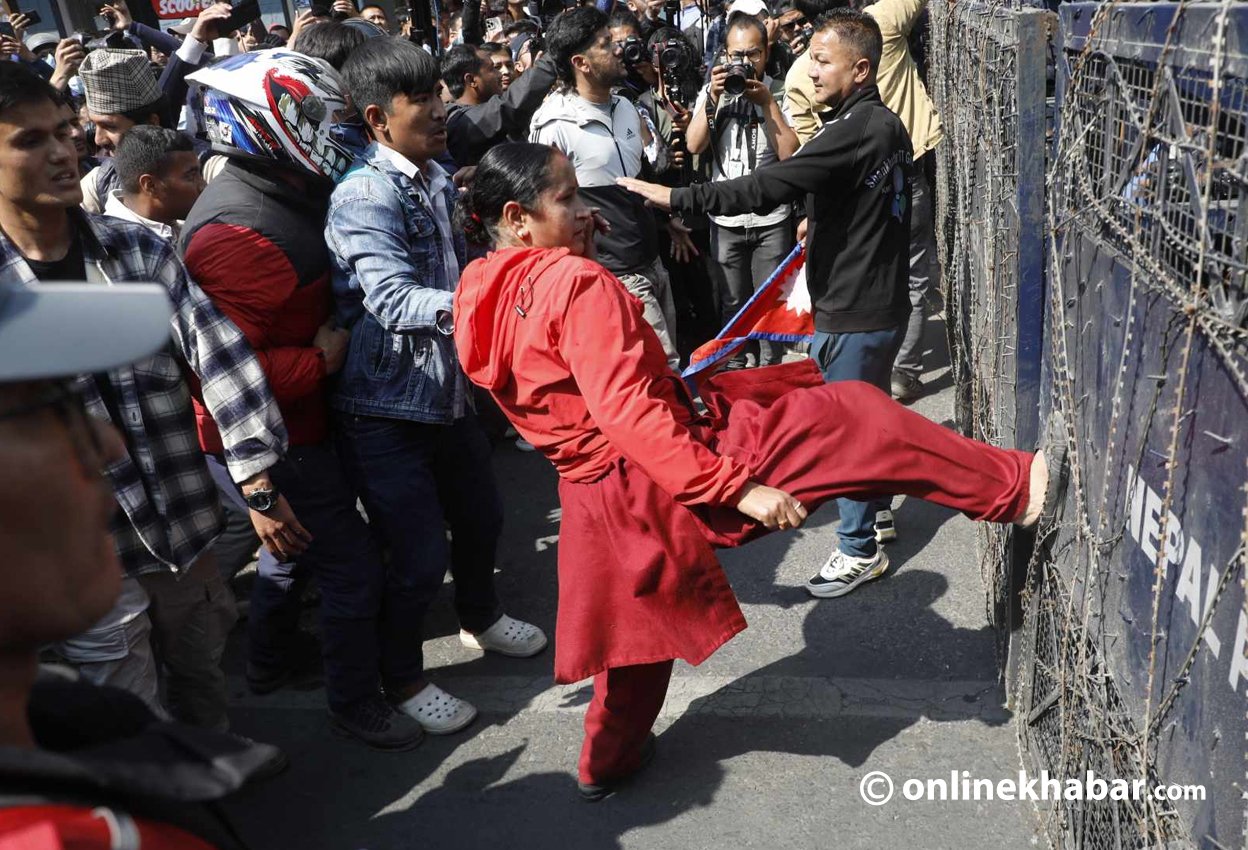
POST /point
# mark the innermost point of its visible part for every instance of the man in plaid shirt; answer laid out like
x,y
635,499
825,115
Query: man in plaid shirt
x,y
169,514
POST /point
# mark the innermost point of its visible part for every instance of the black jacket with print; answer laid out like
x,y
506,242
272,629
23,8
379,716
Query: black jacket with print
x,y
855,177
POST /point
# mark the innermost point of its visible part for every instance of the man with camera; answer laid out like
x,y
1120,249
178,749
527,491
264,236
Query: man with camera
x,y
739,120
605,138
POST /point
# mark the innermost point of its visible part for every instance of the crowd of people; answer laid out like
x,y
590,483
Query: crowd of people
x,y
378,252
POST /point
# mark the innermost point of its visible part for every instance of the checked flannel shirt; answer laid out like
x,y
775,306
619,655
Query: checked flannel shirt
x,y
170,512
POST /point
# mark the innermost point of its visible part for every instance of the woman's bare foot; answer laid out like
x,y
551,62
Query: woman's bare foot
x,y
1037,487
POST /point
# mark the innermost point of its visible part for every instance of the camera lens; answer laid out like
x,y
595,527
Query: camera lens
x,y
738,73
634,51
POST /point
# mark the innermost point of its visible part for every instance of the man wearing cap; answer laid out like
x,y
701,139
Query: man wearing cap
x,y
166,515
81,765
121,91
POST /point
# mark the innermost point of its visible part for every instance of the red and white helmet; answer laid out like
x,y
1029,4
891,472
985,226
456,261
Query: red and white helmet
x,y
275,106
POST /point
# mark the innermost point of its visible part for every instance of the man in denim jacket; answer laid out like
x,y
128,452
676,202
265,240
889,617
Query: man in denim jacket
x,y
407,432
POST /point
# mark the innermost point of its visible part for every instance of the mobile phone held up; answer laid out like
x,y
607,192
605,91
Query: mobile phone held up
x,y
244,13
6,30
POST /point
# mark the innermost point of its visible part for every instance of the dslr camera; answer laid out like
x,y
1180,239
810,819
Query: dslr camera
x,y
738,74
675,61
633,51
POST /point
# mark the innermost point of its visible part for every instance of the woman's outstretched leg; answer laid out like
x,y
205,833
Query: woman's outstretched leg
x,y
850,439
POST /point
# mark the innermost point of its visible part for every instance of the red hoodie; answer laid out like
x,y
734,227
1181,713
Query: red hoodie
x,y
564,350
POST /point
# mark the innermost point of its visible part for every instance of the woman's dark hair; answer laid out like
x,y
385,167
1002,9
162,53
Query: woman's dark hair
x,y
515,171
332,41
570,34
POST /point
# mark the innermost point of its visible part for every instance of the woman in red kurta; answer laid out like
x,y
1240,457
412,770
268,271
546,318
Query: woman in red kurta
x,y
648,485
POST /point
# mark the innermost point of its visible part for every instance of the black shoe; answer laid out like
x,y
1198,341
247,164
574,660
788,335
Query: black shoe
x,y
272,766
601,791
303,661
906,387
378,724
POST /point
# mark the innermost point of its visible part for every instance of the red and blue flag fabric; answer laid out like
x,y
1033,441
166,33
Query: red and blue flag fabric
x,y
779,311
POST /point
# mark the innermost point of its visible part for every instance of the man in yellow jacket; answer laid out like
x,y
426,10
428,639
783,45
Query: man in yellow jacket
x,y
903,92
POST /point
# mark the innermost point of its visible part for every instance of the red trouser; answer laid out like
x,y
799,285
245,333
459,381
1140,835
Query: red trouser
x,y
626,702
621,594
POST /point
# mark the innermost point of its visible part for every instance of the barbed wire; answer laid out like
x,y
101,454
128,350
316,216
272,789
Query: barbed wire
x,y
1151,161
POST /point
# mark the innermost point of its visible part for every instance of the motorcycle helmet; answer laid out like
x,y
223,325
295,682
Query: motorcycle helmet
x,y
276,107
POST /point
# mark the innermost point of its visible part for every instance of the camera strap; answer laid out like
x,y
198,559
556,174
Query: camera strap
x,y
751,142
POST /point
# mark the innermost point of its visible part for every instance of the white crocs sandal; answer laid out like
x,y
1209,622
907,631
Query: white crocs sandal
x,y
437,712
507,637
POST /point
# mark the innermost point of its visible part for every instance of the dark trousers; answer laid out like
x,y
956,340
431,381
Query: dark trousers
x,y
348,568
868,357
415,480
924,267
742,258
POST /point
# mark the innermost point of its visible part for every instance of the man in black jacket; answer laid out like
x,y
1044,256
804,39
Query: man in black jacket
x,y
483,115
854,175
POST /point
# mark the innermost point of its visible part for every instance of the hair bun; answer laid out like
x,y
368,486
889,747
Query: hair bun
x,y
469,221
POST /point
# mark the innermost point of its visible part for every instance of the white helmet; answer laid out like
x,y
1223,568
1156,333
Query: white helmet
x,y
275,106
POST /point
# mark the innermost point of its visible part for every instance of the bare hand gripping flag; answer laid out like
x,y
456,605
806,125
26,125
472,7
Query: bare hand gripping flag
x,y
779,311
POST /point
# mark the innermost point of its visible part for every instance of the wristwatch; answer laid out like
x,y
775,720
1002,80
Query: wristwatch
x,y
262,499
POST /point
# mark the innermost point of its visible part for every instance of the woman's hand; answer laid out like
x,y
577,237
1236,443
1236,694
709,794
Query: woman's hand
x,y
774,508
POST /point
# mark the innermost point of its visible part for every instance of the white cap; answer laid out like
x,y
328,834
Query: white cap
x,y
56,330
748,7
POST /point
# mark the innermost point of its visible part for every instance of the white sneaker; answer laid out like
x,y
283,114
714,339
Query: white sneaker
x,y
885,527
842,573
507,637
437,712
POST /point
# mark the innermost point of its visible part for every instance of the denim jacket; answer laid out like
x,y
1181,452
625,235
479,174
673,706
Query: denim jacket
x,y
392,292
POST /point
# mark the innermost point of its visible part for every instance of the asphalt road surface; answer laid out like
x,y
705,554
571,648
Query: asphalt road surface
x,y
764,745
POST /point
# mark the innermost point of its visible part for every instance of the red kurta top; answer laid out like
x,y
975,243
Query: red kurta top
x,y
647,486
564,350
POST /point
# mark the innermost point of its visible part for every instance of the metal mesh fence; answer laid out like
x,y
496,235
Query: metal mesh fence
x,y
1132,644
977,71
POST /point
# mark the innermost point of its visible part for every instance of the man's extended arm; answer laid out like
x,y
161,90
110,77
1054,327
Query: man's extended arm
x,y
507,113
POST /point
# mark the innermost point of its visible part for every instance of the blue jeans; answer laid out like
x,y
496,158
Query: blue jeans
x,y
414,480
348,568
865,356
